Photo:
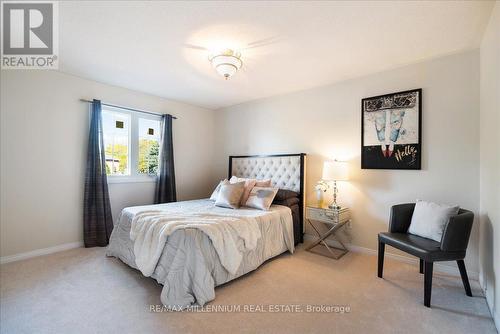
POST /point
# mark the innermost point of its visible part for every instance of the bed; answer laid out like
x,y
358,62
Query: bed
x,y
192,262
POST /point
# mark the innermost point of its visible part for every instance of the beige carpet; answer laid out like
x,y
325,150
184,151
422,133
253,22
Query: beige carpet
x,y
82,291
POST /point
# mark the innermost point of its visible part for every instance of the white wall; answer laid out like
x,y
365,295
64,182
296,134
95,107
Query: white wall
x,y
326,123
490,164
44,131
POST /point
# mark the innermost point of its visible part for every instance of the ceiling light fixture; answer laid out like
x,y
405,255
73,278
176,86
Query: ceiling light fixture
x,y
226,63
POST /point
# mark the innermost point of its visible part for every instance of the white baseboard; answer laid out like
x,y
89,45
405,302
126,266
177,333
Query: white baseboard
x,y
496,316
438,267
490,302
39,252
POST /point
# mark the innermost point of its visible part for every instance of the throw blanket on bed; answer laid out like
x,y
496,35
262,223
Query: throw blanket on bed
x,y
150,230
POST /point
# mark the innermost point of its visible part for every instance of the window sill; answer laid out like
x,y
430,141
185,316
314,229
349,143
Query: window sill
x,y
131,179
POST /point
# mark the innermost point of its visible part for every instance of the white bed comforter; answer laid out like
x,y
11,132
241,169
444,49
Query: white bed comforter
x,y
150,230
188,265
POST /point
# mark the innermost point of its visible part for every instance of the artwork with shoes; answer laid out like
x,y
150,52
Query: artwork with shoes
x,y
391,131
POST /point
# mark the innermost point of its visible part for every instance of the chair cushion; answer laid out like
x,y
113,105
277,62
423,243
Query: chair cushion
x,y
423,248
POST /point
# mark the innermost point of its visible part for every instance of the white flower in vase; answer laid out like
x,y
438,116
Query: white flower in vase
x,y
321,187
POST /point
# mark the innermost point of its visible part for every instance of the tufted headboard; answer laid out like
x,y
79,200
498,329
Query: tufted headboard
x,y
286,171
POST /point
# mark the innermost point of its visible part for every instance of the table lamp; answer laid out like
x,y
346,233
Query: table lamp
x,y
335,171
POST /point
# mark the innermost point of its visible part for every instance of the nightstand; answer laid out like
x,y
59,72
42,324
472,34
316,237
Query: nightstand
x,y
335,220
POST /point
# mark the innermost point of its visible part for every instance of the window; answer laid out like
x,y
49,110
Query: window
x,y
132,145
149,146
116,128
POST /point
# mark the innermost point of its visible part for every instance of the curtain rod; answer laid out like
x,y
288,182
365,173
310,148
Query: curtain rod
x,y
126,108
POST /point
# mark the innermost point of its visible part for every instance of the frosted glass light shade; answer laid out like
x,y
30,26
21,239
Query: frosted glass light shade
x,y
226,63
226,70
335,171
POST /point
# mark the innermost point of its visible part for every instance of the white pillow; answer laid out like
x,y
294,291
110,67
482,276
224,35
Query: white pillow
x,y
217,189
429,219
230,195
261,197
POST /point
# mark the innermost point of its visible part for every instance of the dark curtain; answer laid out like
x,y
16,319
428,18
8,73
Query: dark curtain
x,y
165,184
97,219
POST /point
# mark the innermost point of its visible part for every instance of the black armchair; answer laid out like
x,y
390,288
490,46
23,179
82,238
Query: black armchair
x,y
452,247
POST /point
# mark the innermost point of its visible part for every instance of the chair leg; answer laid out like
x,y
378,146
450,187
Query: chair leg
x,y
381,249
427,283
421,270
465,278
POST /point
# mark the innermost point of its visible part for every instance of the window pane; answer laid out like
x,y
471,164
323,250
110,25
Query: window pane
x,y
116,128
149,144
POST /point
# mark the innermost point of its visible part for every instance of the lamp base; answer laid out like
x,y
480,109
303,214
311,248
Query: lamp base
x,y
334,206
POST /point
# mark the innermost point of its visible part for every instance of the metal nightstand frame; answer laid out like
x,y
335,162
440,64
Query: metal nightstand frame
x,y
321,239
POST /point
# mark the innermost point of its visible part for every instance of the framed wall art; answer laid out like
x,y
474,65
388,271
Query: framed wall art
x,y
391,131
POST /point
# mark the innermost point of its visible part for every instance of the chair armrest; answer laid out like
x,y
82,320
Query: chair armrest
x,y
457,232
400,219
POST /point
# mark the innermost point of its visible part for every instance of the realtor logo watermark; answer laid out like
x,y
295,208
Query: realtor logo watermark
x,y
30,35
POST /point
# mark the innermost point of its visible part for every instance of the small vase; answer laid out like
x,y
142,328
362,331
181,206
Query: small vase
x,y
319,197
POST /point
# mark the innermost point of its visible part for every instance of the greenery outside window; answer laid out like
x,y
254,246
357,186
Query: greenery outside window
x,y
149,146
131,142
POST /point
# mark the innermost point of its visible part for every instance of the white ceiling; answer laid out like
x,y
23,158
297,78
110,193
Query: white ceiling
x,y
155,47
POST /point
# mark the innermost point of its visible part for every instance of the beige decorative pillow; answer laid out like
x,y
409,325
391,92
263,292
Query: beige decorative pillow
x,y
263,183
230,195
249,184
261,197
217,189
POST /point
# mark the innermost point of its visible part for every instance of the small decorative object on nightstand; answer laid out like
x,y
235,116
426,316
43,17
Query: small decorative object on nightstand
x,y
321,187
335,219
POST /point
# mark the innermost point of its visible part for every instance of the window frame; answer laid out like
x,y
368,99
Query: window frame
x,y
128,116
137,141
133,155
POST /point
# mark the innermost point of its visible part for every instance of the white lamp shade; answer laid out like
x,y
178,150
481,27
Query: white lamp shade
x,y
226,63
226,70
335,171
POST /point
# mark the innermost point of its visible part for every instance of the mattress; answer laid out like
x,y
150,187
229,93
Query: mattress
x,y
189,268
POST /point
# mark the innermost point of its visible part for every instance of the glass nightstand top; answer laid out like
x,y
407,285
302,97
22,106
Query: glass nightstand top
x,y
325,207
